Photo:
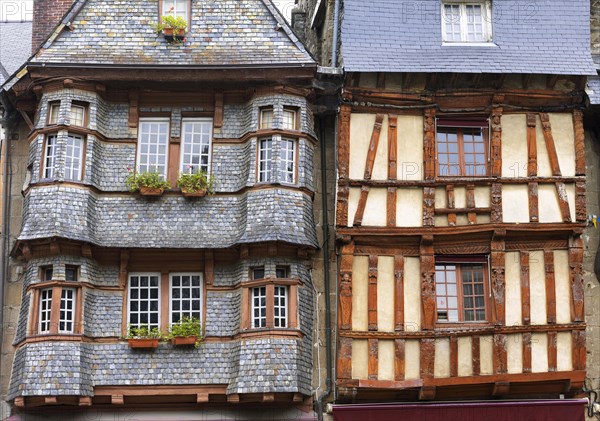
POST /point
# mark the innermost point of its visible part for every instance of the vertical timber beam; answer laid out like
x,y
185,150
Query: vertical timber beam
x,y
580,202
429,144
496,142
451,204
428,305
343,165
499,358
476,355
345,300
576,266
496,202
471,216
399,360
428,206
427,357
531,145
578,349
579,142
497,273
550,287
372,297
392,168
525,301
527,352
552,357
453,356
534,213
399,293
373,368
344,360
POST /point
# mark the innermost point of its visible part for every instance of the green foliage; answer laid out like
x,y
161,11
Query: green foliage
x,y
143,332
186,327
177,24
151,179
193,182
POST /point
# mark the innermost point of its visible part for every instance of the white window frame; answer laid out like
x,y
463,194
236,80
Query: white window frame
x,y
74,163
294,123
280,321
147,167
45,311
74,119
167,4
265,165
139,299
183,165
486,15
50,155
53,118
284,173
262,123
262,316
182,312
66,311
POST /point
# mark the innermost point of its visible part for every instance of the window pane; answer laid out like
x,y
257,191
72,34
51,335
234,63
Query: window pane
x,y
196,146
77,117
50,158
287,160
73,157
265,164
152,146
186,295
266,118
289,119
259,309
144,296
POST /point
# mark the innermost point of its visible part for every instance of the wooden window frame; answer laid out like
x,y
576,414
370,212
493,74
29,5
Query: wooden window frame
x,y
269,284
271,161
461,151
260,318
76,270
85,107
142,120
296,112
459,261
160,298
162,12
200,298
66,310
56,287
183,143
44,166
277,306
282,172
51,105
261,119
80,172
486,9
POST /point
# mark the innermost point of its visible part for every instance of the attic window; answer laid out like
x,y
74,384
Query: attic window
x,y
466,22
176,8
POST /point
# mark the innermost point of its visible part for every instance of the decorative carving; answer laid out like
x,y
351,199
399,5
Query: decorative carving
x,y
429,206
580,202
579,142
578,349
552,357
577,290
344,141
527,352
476,355
496,143
345,300
465,249
471,216
531,145
342,205
427,358
344,361
429,312
372,297
134,97
533,202
391,207
373,359
362,203
399,364
392,147
550,287
497,274
373,146
499,357
496,202
429,144
525,306
563,201
399,293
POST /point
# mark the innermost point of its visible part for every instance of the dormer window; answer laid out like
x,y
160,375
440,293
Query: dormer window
x,y
176,8
468,22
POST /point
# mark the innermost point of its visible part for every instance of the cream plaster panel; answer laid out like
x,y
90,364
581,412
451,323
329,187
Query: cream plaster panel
x,y
514,353
353,198
386,360
360,359
409,207
537,287
465,356
412,358
564,359
514,145
376,209
440,198
462,220
483,219
385,296
460,197
562,282
564,141
360,293
410,147
482,197
486,347
442,358
539,353
361,130
515,203
513,289
441,221
412,294
549,210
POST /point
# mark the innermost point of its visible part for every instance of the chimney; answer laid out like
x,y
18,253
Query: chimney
x,y
46,16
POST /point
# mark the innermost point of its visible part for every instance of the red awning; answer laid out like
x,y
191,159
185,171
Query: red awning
x,y
554,410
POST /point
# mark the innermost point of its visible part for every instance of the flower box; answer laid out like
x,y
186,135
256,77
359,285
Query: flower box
x,y
184,341
170,36
143,343
151,191
193,193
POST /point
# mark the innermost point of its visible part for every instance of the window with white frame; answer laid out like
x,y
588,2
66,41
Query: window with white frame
x,y
67,311
266,118
144,299
259,307
176,8
45,312
289,119
265,159
287,160
77,116
466,21
196,137
74,157
280,306
50,156
53,110
153,144
186,296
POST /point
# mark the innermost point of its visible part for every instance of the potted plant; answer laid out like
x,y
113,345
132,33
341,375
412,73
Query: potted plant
x,y
195,184
187,331
149,183
143,336
172,27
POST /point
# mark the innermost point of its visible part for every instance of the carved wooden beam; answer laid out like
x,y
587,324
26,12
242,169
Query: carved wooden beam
x,y
399,360
429,144
427,346
578,352
527,352
534,213
450,204
531,145
344,361
392,169
563,201
453,356
429,207
476,355
550,146
579,142
373,364
202,397
392,197
134,97
525,302
342,204
501,388
345,299
499,358
373,145
428,309
85,401
398,293
496,202
550,287
496,142
471,216
218,118
372,293
580,202
552,357
362,203
117,400
427,393
497,274
577,290
209,267
344,141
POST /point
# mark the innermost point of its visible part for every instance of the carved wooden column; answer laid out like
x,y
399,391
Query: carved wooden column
x,y
531,145
399,293
579,142
429,144
345,299
372,294
496,142
428,305
500,355
525,301
496,203
497,273
343,165
550,287
392,169
580,202
428,206
577,290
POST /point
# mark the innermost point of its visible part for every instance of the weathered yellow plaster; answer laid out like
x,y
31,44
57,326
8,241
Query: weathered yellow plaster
x,y
563,290
514,145
409,207
539,353
353,198
412,358
486,347
410,147
549,209
537,287
482,197
513,289
375,209
412,294
360,359
564,359
386,360
360,293
385,294
515,203
465,356
514,353
442,358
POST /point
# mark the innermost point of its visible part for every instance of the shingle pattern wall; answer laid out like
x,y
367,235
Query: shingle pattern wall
x,y
102,313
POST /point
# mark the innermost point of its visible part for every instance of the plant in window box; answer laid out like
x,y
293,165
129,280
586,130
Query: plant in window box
x,y
172,27
143,336
196,184
187,331
149,183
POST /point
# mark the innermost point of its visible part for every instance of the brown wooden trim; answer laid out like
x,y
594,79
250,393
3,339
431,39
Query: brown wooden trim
x,y
344,360
471,215
496,203
533,202
78,315
496,142
341,216
550,287
476,355
133,118
373,366
398,293
577,288
575,376
550,146
527,352
270,309
266,281
460,181
450,203
453,211
55,310
429,158
245,317
531,145
525,301
563,201
293,307
578,351
428,297
362,203
218,115
427,357
345,280
392,147
429,207
173,164
453,356
579,142
164,302
552,357
391,207
34,314
498,262
399,360
499,357
372,297
147,390
344,141
580,202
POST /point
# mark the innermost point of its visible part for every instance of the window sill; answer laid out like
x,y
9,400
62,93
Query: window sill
x,y
271,332
489,44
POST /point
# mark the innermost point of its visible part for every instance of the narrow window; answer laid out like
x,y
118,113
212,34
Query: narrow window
x,y
153,146
258,272
144,301
466,21
186,296
282,272
74,157
287,160
47,273
50,156
77,116
290,119
265,156
71,273
196,139
462,147
259,307
176,8
280,306
460,291
266,118
67,311
45,310
53,110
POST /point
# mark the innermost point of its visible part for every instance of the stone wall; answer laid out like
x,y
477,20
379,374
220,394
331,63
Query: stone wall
x,y
316,31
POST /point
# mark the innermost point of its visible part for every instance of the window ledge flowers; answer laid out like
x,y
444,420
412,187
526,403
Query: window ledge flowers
x,y
149,183
196,184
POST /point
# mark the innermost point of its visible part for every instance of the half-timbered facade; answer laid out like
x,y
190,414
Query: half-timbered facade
x,y
91,258
461,202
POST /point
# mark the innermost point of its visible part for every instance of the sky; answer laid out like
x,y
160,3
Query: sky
x,y
20,10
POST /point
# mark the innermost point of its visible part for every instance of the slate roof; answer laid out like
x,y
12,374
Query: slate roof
x,y
537,36
593,89
222,33
15,47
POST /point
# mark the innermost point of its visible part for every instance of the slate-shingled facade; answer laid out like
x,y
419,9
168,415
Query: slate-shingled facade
x,y
88,234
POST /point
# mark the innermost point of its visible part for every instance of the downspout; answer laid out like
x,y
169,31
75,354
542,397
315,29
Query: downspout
x,y
336,27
